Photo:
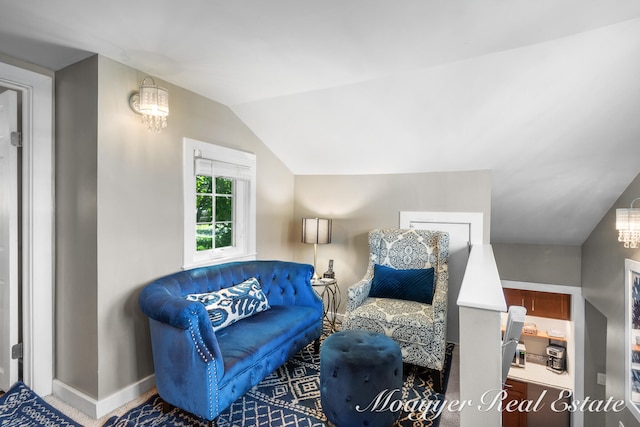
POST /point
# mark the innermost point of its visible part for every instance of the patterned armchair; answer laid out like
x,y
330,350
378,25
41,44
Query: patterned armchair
x,y
419,329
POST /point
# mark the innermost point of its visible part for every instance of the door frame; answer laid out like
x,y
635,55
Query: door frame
x,y
37,220
578,322
474,219
410,219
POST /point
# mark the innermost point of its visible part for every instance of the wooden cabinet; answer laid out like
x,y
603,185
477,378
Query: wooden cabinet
x,y
547,304
545,406
516,391
549,398
541,304
517,297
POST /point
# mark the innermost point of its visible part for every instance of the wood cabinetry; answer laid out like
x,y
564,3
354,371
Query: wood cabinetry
x,y
551,409
541,304
545,406
516,391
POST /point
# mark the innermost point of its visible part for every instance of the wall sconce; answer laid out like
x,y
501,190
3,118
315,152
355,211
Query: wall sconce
x,y
153,103
628,225
316,231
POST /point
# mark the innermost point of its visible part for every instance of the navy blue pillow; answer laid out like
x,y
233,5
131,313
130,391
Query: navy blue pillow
x,y
413,284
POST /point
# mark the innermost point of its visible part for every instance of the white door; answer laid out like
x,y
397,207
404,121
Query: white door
x,y
8,239
464,230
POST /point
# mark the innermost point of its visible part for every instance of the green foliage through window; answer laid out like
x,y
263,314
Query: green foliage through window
x,y
214,219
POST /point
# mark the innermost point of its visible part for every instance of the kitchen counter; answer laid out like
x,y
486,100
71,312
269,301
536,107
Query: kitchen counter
x,y
539,374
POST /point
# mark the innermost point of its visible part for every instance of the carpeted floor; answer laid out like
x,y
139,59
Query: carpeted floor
x,y
447,419
288,397
88,421
20,406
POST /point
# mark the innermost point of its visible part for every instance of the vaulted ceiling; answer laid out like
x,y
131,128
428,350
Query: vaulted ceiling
x,y
545,94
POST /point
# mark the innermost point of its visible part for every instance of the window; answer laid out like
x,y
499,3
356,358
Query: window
x,y
219,215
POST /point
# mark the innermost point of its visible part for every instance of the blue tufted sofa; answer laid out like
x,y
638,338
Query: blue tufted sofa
x,y
204,372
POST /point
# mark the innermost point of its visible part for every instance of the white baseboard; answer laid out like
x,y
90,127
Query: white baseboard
x,y
99,408
338,316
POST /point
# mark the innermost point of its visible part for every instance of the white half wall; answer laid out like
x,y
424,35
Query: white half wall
x,y
481,302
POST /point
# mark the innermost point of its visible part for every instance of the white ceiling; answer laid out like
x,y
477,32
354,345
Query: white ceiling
x,y
544,93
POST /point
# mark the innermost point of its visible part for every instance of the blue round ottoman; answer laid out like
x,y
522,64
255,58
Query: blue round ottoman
x,y
355,367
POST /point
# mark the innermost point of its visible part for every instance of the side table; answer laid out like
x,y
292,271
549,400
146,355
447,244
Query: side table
x,y
329,292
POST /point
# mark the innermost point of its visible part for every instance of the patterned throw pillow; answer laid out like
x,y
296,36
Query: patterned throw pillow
x,y
229,305
411,284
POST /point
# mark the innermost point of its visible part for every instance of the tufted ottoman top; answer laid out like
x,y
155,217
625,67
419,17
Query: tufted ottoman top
x,y
357,347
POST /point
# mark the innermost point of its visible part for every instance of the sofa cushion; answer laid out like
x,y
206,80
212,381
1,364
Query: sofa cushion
x,y
409,323
245,343
409,284
228,305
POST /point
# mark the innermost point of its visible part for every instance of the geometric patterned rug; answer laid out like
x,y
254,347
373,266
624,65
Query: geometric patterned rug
x,y
20,406
290,396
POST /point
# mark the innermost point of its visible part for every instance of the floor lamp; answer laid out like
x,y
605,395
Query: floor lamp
x,y
316,231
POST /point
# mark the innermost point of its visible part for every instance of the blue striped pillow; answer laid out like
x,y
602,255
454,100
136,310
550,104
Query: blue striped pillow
x,y
412,284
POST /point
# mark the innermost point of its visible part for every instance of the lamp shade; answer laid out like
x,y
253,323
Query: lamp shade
x,y
316,230
152,102
628,226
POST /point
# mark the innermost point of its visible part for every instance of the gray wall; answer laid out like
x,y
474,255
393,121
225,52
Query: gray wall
x,y
119,215
604,288
360,203
551,264
595,360
76,260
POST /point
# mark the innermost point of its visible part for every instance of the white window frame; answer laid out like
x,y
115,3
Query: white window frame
x,y
244,247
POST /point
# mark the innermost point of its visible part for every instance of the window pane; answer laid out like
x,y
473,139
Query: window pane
x,y
204,237
224,208
204,184
204,210
224,234
224,185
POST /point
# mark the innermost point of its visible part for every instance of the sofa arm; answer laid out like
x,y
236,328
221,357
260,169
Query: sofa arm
x,y
186,355
357,293
159,304
187,374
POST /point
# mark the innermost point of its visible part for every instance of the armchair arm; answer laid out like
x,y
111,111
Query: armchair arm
x,y
440,307
357,293
439,304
